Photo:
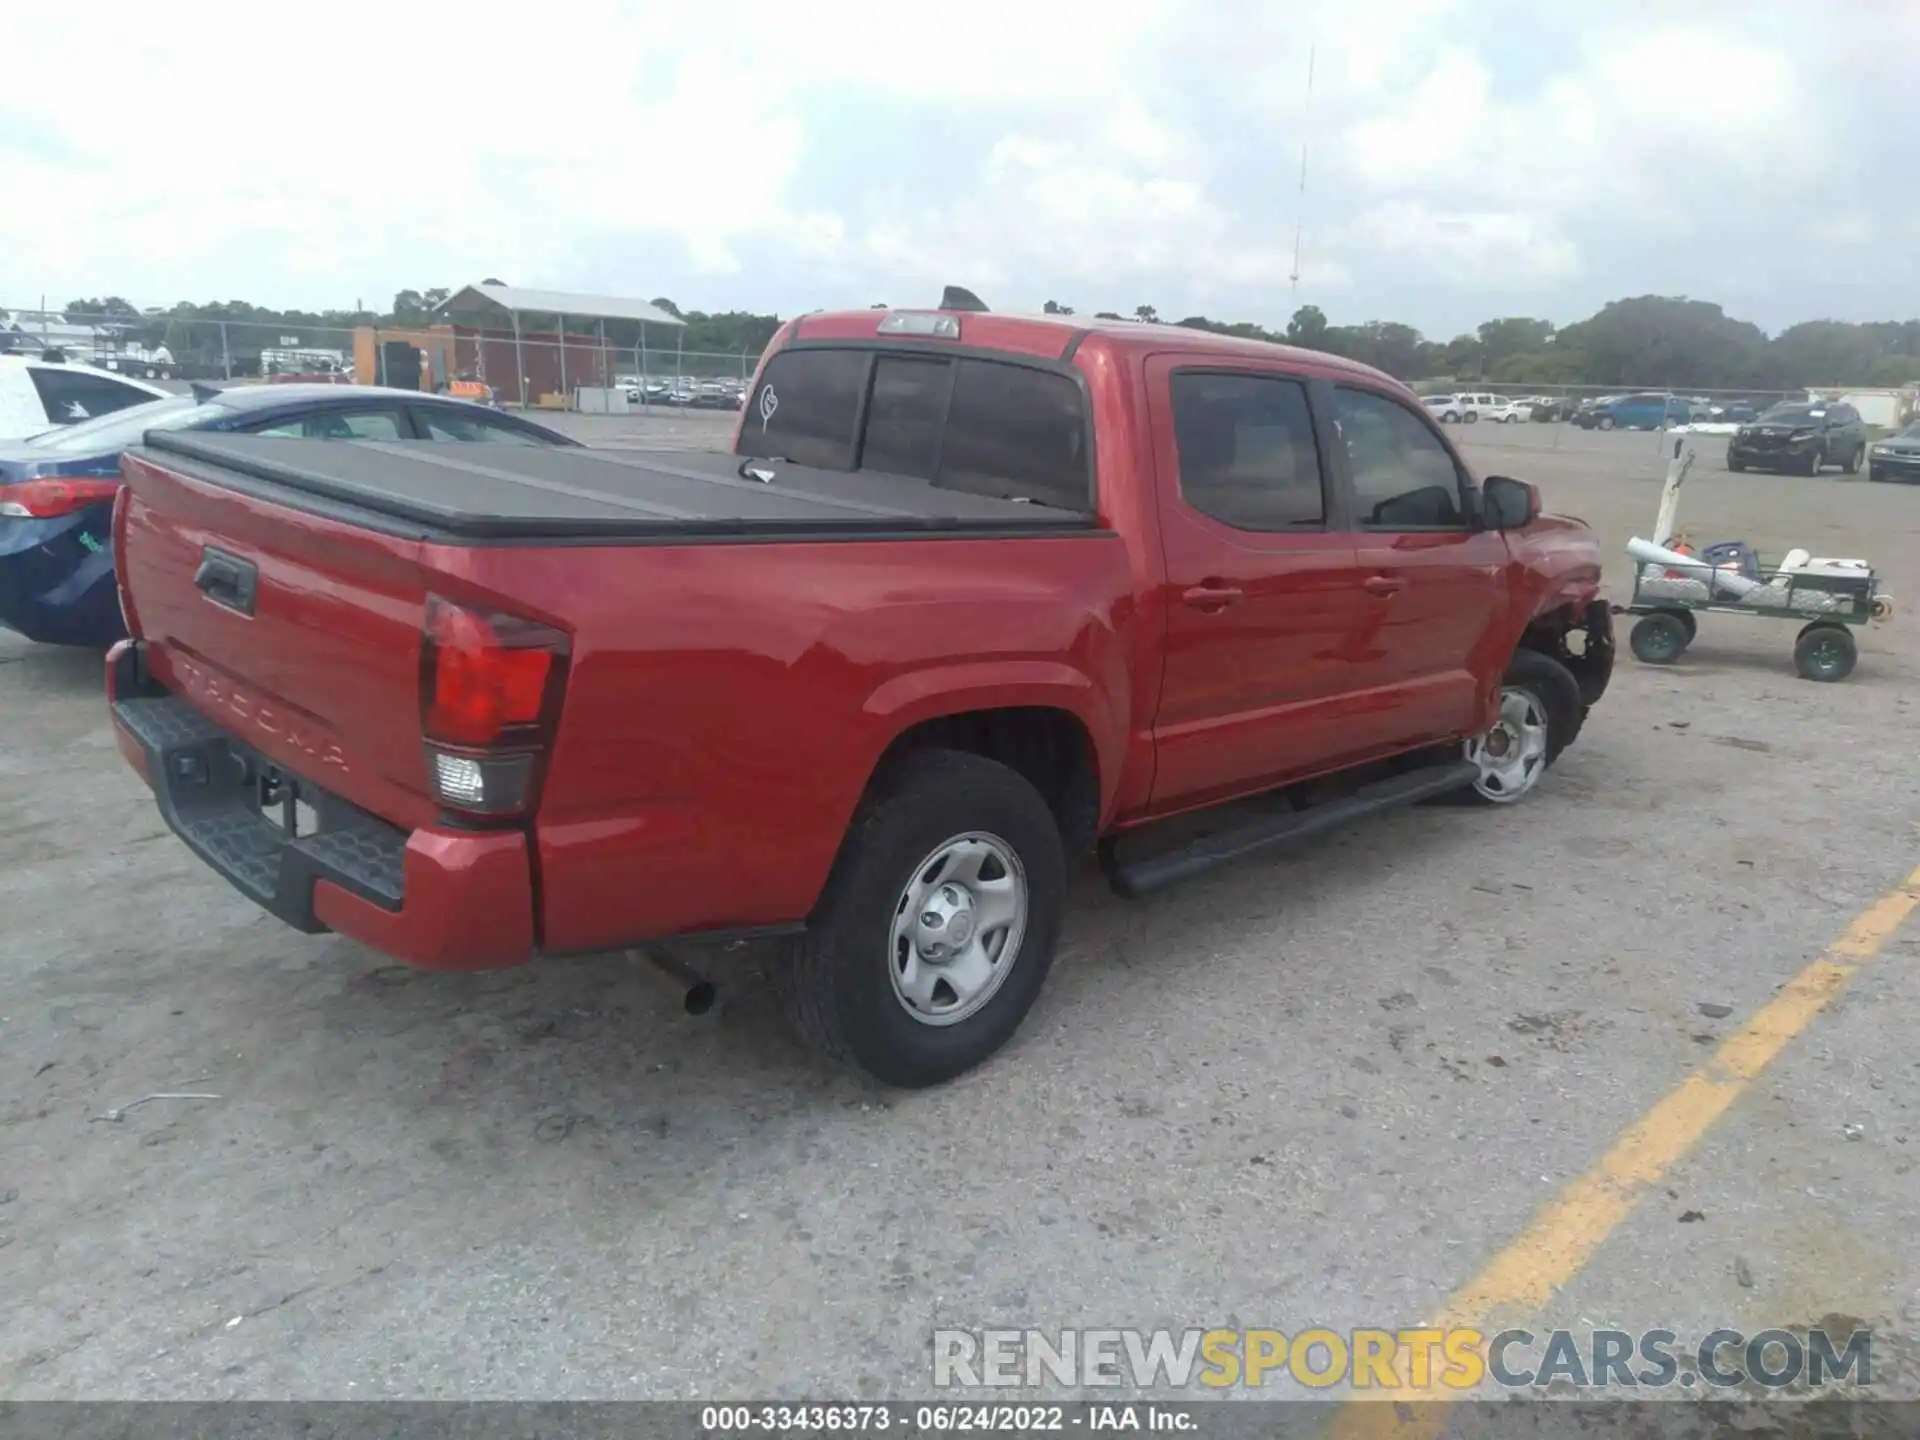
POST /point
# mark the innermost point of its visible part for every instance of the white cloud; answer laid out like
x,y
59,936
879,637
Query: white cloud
x,y
1462,158
1469,247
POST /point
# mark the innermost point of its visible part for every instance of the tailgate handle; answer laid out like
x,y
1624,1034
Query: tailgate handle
x,y
227,580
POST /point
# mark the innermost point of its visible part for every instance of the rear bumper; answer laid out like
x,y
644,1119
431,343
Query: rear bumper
x,y
56,579
442,898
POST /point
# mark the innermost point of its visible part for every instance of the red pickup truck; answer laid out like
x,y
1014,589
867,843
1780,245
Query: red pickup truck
x,y
973,595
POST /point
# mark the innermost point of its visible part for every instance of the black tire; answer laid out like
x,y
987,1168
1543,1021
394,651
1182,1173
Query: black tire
x,y
1662,637
1875,473
1811,465
1553,685
1735,465
1854,458
1472,417
835,983
1605,422
1825,652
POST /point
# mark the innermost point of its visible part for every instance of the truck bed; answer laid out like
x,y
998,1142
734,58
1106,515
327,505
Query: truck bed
x,y
491,494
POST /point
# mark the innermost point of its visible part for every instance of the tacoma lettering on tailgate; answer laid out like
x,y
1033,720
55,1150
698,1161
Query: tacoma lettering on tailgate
x,y
221,695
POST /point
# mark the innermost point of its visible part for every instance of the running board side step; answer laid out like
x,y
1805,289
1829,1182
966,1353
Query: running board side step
x,y
1156,872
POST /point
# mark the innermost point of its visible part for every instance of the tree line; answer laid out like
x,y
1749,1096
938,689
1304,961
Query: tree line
x,y
1643,342
1646,341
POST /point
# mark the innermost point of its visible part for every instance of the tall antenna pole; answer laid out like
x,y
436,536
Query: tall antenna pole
x,y
1300,213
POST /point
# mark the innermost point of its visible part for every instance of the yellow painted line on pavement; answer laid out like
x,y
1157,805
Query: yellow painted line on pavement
x,y
1565,1234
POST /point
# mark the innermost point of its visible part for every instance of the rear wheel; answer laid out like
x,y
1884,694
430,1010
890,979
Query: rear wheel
x,y
1825,652
1854,457
1605,422
1471,417
1661,638
1540,712
937,927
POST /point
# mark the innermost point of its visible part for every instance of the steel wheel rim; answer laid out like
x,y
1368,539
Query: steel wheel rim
x,y
1512,755
957,928
1665,641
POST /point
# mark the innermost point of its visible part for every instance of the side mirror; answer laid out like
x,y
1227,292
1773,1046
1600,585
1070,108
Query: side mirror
x,y
1509,504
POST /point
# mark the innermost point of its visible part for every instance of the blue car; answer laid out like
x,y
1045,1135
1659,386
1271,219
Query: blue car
x,y
1635,412
57,489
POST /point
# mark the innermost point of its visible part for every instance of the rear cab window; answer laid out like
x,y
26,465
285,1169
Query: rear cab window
x,y
999,428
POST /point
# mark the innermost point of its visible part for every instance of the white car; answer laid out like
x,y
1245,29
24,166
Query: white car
x,y
1461,409
40,395
1505,412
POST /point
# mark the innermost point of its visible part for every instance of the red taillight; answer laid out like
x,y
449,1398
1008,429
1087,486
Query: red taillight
x,y
489,696
486,678
48,499
128,615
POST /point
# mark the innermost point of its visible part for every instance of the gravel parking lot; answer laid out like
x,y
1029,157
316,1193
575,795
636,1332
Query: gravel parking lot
x,y
1316,1090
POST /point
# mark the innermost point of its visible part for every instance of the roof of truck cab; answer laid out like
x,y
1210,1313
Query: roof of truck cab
x,y
1129,336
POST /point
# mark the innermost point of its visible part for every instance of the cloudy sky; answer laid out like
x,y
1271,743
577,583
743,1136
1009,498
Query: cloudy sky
x,y
1464,160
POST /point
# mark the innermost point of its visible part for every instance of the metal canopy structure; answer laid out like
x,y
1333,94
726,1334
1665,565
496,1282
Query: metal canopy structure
x,y
484,298
489,302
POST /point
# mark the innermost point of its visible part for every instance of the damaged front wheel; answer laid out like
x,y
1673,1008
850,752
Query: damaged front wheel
x,y
1540,711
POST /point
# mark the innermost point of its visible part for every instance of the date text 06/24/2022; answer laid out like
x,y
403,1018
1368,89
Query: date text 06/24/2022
x,y
922,1419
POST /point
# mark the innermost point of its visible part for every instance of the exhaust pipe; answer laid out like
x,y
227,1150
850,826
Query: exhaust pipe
x,y
697,992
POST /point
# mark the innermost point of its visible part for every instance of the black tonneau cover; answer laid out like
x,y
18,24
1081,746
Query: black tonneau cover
x,y
483,492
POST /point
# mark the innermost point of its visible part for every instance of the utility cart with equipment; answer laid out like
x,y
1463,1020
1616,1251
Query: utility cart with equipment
x,y
1673,583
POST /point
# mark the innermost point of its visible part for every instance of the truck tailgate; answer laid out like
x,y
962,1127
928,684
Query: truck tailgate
x,y
297,634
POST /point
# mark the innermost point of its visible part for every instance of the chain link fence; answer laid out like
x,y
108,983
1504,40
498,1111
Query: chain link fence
x,y
536,369
611,367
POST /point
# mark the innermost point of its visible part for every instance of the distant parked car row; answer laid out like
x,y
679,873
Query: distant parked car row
x,y
1643,410
1651,410
1470,409
726,393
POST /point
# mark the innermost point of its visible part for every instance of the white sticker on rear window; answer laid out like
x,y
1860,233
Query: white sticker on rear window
x,y
769,402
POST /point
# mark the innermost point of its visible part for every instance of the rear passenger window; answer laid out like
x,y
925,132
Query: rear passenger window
x,y
1403,478
447,425
338,425
904,418
1246,450
1016,433
805,407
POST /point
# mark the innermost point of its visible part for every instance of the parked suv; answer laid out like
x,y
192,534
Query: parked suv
x,y
1464,409
1635,412
1800,439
